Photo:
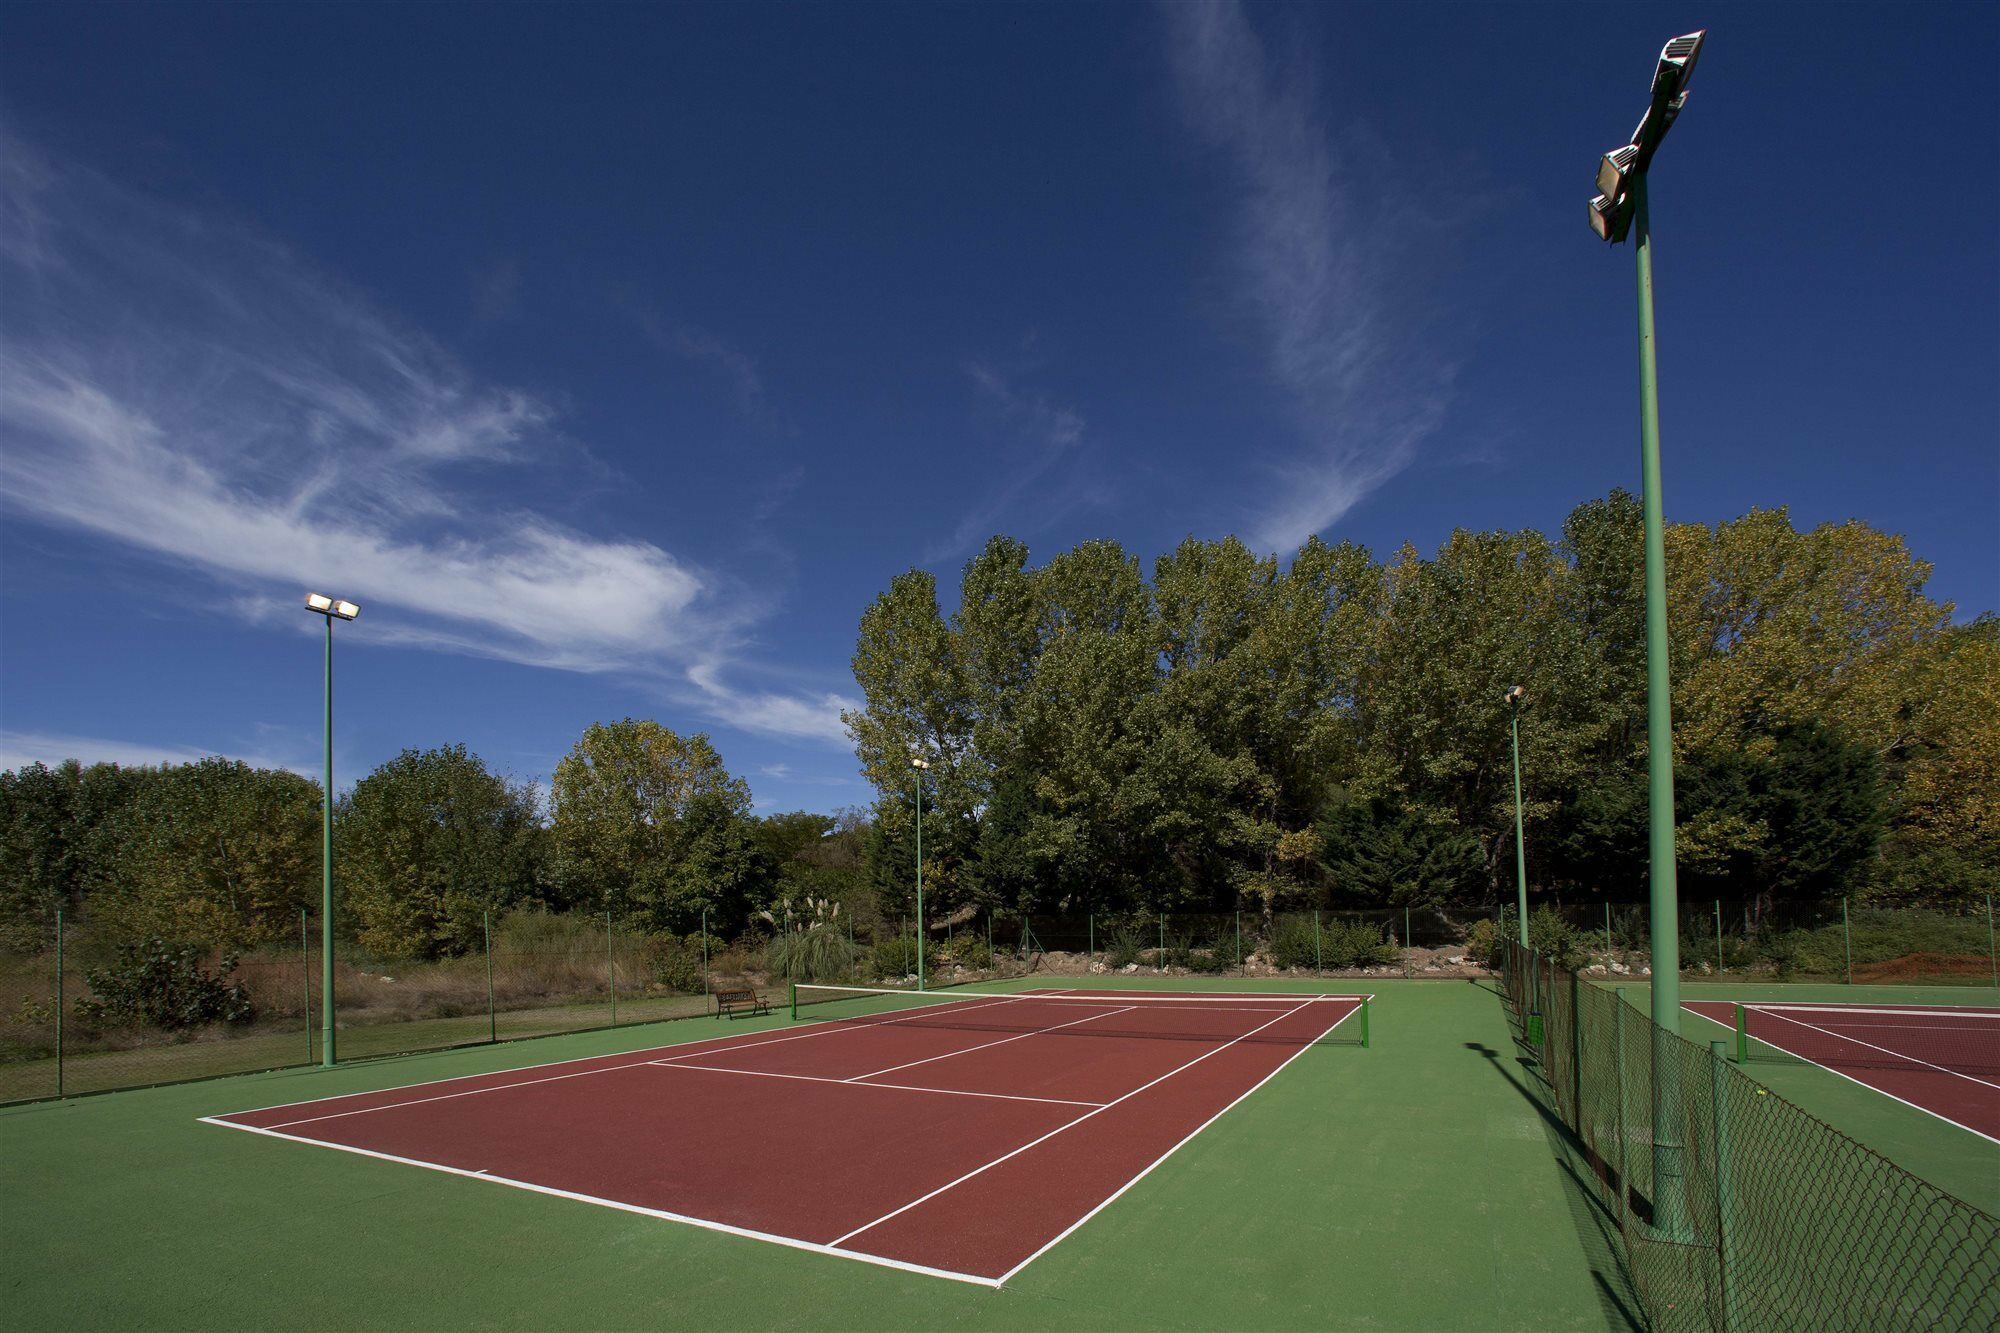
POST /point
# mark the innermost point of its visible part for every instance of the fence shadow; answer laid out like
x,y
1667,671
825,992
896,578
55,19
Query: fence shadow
x,y
1596,1227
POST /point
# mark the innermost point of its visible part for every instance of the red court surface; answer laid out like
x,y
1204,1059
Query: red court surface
x,y
1941,1059
961,1141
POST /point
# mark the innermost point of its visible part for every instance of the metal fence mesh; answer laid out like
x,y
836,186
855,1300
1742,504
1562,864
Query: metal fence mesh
x,y
1765,1217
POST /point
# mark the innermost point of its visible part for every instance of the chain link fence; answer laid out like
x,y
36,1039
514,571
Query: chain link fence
x,y
1738,1210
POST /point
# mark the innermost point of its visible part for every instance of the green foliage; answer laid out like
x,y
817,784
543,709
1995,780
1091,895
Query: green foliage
x,y
675,963
811,943
968,950
157,984
1379,853
1822,951
1350,942
1127,944
1550,934
893,958
429,842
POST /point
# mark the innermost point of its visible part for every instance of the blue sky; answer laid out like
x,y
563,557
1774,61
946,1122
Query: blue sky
x,y
614,359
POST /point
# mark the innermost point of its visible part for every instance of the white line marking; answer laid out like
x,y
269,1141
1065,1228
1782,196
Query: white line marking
x,y
1114,1196
1839,1011
702,1222
862,1023
1900,1055
447,1096
989,1045
1060,1128
848,1082
1883,1092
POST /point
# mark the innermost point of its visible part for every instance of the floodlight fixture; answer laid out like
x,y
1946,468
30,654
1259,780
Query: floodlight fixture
x,y
1516,695
1614,168
919,762
331,606
1676,69
1619,171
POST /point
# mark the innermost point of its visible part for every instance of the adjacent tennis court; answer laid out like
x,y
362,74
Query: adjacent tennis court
x,y
1943,1060
975,1130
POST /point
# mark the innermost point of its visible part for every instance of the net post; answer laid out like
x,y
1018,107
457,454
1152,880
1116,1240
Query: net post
x,y
306,989
492,1020
611,968
795,1001
59,1008
1318,966
1718,1110
1847,939
1364,1022
1742,1034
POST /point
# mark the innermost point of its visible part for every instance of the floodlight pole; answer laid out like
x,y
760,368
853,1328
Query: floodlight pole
x,y
1520,847
326,867
918,773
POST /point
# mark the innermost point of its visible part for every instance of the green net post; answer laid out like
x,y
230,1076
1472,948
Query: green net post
x,y
611,968
1718,937
1847,940
1719,1110
1318,966
492,1018
1364,1022
1742,1034
795,1001
306,978
59,1008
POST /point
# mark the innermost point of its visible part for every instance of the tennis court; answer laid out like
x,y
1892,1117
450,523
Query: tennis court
x,y
1943,1060
975,1130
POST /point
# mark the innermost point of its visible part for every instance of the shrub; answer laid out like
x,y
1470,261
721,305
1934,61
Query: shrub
x,y
894,957
1293,943
1128,942
968,951
821,953
675,964
1482,941
1353,944
154,983
1550,934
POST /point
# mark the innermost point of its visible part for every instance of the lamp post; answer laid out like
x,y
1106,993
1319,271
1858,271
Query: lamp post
x,y
1516,696
333,609
1620,206
919,764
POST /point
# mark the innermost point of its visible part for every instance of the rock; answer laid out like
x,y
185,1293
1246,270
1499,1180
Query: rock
x,y
1595,970
1432,967
1621,969
1645,971
1129,967
1456,960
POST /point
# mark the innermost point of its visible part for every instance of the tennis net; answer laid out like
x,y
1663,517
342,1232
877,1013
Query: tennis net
x,y
1289,1019
1955,1039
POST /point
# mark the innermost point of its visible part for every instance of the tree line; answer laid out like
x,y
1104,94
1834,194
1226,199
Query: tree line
x,y
1238,732
640,822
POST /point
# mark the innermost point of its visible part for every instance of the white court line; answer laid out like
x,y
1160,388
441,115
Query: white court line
x,y
1883,1092
702,1222
636,1063
1900,1055
1114,1195
989,1045
1059,1129
1841,1011
848,1082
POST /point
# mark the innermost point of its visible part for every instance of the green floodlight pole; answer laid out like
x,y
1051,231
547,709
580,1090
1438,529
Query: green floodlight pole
x,y
332,609
1621,205
919,764
1516,695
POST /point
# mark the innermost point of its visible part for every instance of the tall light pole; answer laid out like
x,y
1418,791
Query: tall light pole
x,y
920,764
333,609
1516,696
1621,205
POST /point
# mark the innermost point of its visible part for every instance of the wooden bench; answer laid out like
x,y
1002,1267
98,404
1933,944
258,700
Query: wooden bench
x,y
733,1002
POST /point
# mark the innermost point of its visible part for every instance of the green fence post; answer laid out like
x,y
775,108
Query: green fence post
x,y
989,937
1720,1113
492,1020
1718,937
305,962
59,1008
1160,960
1409,950
1618,1076
1608,946
1241,966
1093,941
1992,957
1742,1016
611,966
1318,966
1576,1050
1847,939
704,945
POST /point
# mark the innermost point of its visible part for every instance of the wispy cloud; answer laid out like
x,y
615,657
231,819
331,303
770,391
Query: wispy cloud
x,y
737,370
21,748
188,388
1052,432
1322,267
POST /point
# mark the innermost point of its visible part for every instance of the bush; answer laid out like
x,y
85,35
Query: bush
x,y
968,951
154,983
1293,943
675,964
894,958
822,953
1482,941
1128,942
1550,934
1353,944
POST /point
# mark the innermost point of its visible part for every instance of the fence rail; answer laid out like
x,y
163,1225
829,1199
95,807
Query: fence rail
x,y
1738,1210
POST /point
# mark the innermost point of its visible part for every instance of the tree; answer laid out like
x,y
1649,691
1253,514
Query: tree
x,y
650,824
427,843
48,826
